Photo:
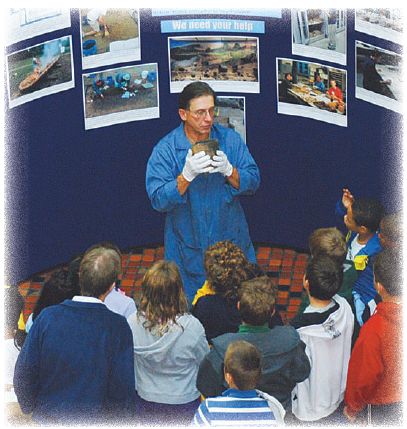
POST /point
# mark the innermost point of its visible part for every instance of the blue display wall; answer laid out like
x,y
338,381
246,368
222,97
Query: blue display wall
x,y
67,188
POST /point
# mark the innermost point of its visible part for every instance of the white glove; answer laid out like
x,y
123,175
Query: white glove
x,y
221,163
196,164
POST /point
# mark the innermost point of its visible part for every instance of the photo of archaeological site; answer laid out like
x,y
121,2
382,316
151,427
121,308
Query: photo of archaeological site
x,y
109,36
121,95
223,62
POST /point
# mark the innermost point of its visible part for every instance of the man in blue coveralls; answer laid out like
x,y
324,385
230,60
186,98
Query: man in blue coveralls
x,y
201,208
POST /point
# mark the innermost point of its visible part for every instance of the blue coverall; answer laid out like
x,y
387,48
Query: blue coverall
x,y
209,211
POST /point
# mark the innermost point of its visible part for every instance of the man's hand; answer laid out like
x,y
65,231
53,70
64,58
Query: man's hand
x,y
196,164
221,164
347,198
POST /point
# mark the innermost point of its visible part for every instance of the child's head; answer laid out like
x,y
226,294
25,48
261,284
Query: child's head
x,y
225,268
258,299
391,231
53,291
254,270
364,213
329,241
323,277
162,296
388,271
13,306
243,363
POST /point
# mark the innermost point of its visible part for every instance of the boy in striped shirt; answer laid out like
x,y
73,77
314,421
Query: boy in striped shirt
x,y
241,404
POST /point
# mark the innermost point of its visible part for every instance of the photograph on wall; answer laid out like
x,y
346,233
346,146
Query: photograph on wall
x,y
379,76
230,112
384,23
121,95
40,70
319,33
229,64
25,23
109,36
312,90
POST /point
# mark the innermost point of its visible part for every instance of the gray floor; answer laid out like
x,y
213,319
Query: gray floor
x,y
340,42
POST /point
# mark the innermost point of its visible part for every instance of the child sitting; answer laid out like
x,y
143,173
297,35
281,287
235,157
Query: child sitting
x,y
331,242
254,271
390,237
169,344
362,218
215,304
375,375
326,327
241,404
391,231
13,341
284,359
225,268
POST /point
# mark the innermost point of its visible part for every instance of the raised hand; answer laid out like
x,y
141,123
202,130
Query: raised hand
x,y
347,198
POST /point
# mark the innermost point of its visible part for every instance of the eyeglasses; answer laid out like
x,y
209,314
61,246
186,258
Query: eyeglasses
x,y
200,114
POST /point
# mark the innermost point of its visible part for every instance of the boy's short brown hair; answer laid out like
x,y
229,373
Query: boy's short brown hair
x,y
391,226
258,299
329,241
324,276
244,363
388,271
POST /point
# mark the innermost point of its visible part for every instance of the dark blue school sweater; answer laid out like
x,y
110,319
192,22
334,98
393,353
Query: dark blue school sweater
x,y
76,366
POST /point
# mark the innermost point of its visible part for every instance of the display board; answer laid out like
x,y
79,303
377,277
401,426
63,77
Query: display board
x,y
89,93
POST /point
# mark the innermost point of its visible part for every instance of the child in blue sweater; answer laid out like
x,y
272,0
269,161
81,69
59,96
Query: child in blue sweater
x,y
362,219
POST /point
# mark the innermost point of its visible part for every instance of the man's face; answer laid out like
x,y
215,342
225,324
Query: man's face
x,y
349,222
198,119
333,83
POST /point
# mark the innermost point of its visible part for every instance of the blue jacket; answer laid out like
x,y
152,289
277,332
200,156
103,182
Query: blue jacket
x,y
364,285
320,85
332,16
209,211
98,85
76,366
